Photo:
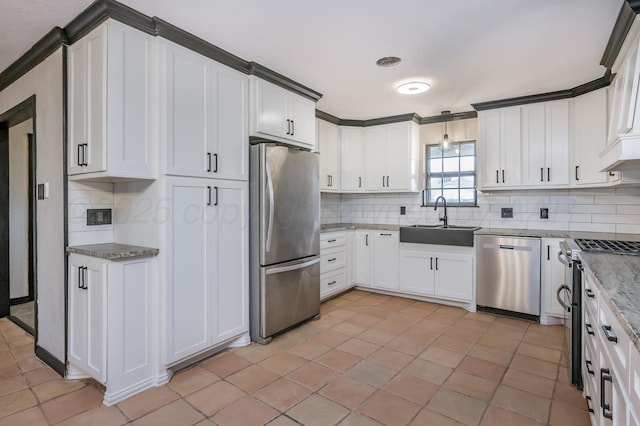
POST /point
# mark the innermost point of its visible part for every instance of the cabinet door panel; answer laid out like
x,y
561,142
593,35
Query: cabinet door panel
x,y
77,106
385,260
511,147
77,345
96,283
454,277
363,258
588,137
416,272
231,124
271,109
189,257
374,158
557,143
187,112
329,147
230,260
552,276
303,113
490,148
533,144
96,50
398,158
351,153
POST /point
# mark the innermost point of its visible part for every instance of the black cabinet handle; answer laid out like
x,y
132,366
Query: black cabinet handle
x,y
385,235
589,364
208,195
216,189
541,174
208,161
288,126
383,181
293,127
497,176
215,163
605,376
84,154
548,174
589,293
79,154
366,239
577,167
333,259
609,334
359,182
333,240
80,276
502,175
589,328
436,263
431,263
588,398
387,181
331,283
548,249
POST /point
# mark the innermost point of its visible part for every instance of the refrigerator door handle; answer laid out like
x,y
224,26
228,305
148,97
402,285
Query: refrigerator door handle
x,y
292,267
271,208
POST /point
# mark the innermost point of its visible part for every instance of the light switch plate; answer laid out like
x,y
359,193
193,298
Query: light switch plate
x,y
506,212
544,213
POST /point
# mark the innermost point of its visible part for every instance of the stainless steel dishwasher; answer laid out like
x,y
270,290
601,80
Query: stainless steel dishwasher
x,y
508,273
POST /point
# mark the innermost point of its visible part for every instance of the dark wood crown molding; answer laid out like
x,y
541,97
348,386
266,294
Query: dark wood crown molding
x,y
395,119
625,19
451,117
282,81
43,48
327,117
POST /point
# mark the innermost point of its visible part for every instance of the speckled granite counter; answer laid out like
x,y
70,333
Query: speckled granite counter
x,y
113,251
619,278
329,227
533,233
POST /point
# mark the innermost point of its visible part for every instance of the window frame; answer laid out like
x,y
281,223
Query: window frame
x,y
428,174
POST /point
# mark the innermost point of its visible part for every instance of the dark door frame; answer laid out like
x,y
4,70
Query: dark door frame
x,y
21,112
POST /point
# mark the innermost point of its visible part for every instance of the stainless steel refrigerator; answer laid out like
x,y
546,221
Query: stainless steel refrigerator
x,y
284,237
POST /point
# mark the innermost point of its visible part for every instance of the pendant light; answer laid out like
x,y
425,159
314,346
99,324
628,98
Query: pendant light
x,y
445,142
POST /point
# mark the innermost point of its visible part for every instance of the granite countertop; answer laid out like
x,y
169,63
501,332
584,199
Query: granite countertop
x,y
331,227
619,278
533,233
113,251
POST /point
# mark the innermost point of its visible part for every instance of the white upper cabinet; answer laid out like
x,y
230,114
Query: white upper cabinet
x,y
205,116
588,138
391,157
351,159
110,104
545,144
281,115
329,147
499,148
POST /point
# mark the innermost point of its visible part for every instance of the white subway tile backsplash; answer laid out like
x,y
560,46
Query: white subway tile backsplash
x,y
92,195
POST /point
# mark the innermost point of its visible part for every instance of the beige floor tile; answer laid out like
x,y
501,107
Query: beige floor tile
x,y
570,396
365,320
282,394
308,349
338,360
427,417
416,312
29,363
470,385
245,412
427,370
175,413
404,318
538,339
512,322
283,420
442,317
147,401
63,407
563,415
99,416
378,337
327,321
453,344
313,376
411,388
442,356
30,417
252,378
22,352
317,410
17,401
349,328
390,359
193,379
347,392
355,419
491,354
56,387
371,374
525,403
283,363
495,416
479,367
394,328
539,352
528,382
254,353
343,314
535,366
331,338
215,397
389,409
9,370
40,375
12,384
506,331
480,316
463,333
433,324
225,364
358,347
459,407
498,342
408,345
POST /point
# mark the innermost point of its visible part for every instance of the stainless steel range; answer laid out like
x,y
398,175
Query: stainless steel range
x,y
609,246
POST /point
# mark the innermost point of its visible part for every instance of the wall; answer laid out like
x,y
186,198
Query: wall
x,y
45,81
83,196
19,209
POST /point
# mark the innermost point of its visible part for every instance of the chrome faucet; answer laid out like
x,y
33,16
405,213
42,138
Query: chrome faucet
x,y
444,204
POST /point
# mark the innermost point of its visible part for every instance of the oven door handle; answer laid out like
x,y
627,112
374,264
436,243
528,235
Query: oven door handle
x,y
563,259
560,289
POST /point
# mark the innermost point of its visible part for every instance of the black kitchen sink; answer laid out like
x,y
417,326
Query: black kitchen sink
x,y
452,235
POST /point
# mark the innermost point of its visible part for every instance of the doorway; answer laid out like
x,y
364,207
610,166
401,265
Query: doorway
x,y
18,287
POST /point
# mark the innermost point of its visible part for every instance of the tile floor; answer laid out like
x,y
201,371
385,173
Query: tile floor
x,y
24,312
371,359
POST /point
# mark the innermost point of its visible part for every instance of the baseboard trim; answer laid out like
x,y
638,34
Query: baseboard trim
x,y
112,398
53,362
26,327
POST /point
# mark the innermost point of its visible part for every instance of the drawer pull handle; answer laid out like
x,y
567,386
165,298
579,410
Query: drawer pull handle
x,y
589,328
385,235
589,293
588,398
331,260
332,282
609,334
333,240
589,370
605,376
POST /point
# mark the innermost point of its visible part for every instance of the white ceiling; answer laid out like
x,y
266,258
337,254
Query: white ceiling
x,y
469,51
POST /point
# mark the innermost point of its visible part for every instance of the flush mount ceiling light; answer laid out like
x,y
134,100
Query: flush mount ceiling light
x,y
413,88
388,61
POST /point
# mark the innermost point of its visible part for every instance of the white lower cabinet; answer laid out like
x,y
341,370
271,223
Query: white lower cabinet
x,y
552,277
110,324
384,259
207,268
436,271
334,260
363,257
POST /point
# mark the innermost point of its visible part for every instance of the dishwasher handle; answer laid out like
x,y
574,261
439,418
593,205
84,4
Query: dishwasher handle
x,y
506,247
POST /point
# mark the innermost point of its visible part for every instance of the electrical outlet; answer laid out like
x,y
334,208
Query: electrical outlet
x,y
506,212
403,210
98,217
544,213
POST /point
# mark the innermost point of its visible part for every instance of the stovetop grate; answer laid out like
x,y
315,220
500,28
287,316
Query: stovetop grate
x,y
609,246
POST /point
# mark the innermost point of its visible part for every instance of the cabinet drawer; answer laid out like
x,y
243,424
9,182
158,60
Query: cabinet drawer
x,y
590,328
590,295
333,259
593,399
634,380
328,241
590,364
615,341
332,283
